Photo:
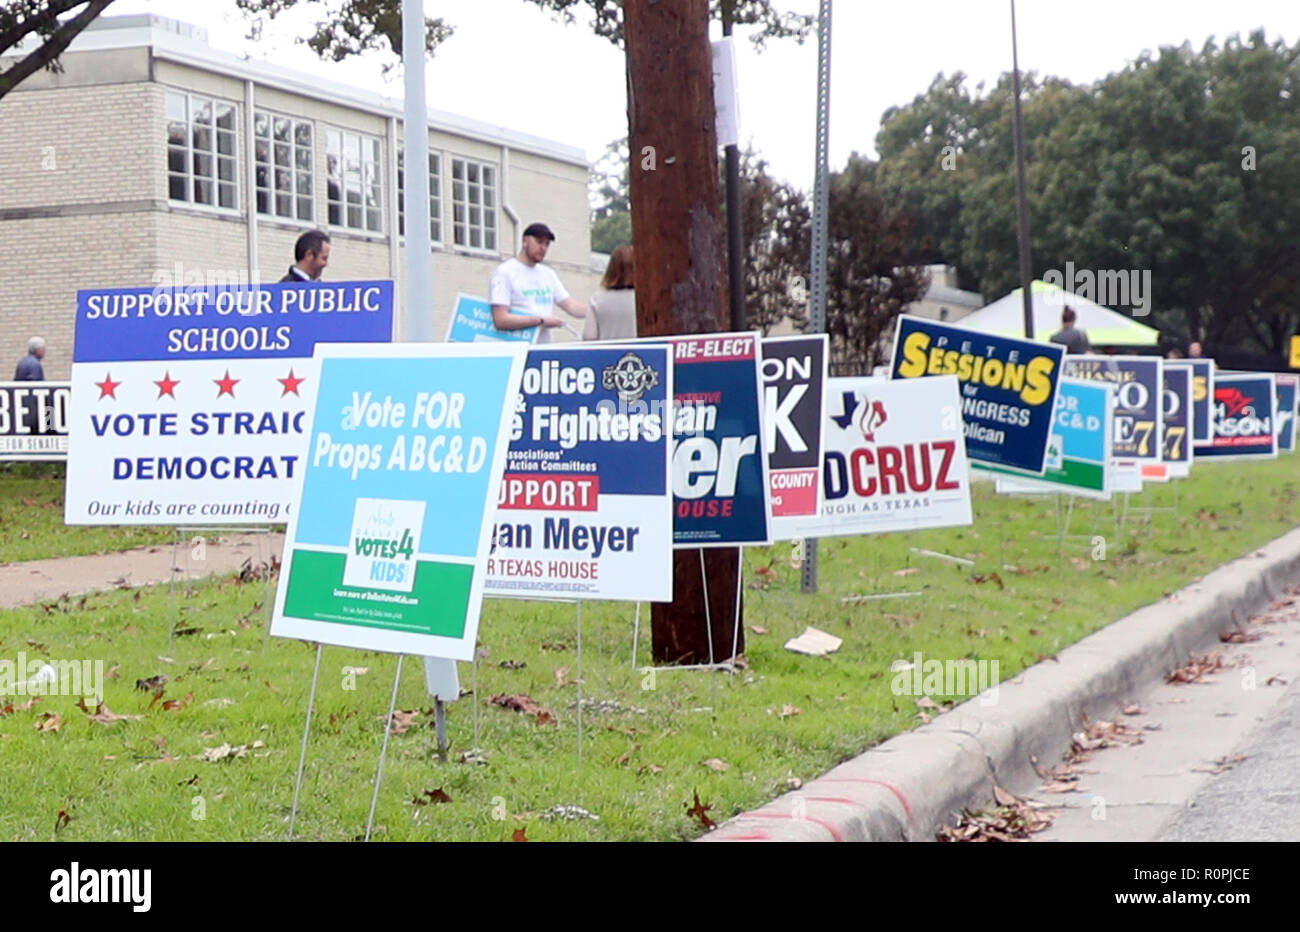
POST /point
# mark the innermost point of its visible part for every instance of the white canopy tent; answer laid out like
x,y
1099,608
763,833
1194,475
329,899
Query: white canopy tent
x,y
1104,327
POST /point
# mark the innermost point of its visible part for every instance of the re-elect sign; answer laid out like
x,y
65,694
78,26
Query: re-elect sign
x,y
585,509
720,483
406,449
1008,387
895,459
34,420
794,389
188,403
1139,421
1244,417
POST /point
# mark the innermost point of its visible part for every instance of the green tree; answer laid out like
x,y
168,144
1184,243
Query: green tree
x,y
776,223
611,202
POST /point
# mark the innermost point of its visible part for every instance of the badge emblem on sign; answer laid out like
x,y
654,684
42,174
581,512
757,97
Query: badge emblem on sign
x,y
630,377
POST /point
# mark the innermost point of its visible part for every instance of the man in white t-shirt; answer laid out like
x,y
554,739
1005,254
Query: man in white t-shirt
x,y
529,289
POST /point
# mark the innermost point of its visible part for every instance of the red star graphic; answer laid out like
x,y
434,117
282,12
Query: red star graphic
x,y
168,385
226,386
291,384
107,388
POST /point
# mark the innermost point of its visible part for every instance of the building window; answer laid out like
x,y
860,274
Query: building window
x,y
354,186
474,204
435,194
201,161
282,150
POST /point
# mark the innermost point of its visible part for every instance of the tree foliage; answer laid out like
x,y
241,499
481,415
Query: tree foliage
x,y
770,21
1183,164
21,20
775,228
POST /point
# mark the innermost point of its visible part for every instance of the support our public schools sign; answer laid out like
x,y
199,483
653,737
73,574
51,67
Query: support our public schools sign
x,y
585,508
1008,387
407,445
188,403
895,458
1244,417
794,396
34,420
719,472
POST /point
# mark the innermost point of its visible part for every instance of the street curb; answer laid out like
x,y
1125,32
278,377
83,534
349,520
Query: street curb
x,y
907,787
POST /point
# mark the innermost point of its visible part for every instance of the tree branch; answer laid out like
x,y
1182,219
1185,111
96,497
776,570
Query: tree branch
x,y
53,47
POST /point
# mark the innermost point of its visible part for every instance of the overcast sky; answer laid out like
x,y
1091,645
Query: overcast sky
x,y
513,65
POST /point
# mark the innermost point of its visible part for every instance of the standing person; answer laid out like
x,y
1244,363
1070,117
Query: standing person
x,y
1074,340
29,367
1194,351
612,309
311,254
523,283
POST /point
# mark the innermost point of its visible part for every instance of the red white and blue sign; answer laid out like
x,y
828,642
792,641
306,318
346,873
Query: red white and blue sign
x,y
188,403
719,472
1244,417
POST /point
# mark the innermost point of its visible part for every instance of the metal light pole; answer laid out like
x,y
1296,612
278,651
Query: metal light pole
x,y
1022,204
820,228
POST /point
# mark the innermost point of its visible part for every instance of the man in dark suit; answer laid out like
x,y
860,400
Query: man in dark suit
x,y
311,254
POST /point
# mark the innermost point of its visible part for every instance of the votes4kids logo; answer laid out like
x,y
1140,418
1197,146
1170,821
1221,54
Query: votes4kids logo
x,y
384,541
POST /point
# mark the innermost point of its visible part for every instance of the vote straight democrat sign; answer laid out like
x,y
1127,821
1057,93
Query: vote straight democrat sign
x,y
720,482
1244,417
188,403
34,420
895,459
1139,422
585,509
794,386
1008,387
406,449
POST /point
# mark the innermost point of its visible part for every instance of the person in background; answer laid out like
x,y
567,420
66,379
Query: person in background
x,y
1194,351
523,283
311,254
612,310
1072,338
1174,353
29,367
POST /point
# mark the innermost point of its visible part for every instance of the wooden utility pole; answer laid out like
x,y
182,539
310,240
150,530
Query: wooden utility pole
x,y
681,272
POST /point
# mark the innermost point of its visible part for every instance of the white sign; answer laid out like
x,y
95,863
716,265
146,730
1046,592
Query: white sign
x,y
726,99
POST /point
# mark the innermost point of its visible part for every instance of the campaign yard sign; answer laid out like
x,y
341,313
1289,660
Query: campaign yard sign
x,y
188,403
1176,418
34,420
1008,388
407,445
1202,397
895,457
585,509
1287,383
794,395
471,322
1079,453
1138,401
719,472
1244,417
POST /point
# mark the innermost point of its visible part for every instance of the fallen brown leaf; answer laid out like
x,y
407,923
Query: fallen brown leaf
x,y
716,764
700,812
49,721
560,674
431,796
758,629
104,715
522,702
518,835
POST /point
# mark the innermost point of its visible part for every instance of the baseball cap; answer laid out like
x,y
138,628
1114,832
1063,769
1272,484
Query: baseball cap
x,y
539,231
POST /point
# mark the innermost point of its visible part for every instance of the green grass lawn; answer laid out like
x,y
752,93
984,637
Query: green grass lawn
x,y
31,519
645,738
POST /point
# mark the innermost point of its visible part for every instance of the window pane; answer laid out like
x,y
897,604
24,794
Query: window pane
x,y
282,155
489,176
175,106
302,159
226,116
227,192
202,165
459,235
202,191
475,239
178,187
302,134
374,221
263,198
261,124
475,217
282,129
333,143
305,208
178,133
335,213
176,159
304,184
457,168
284,205
226,169
262,150
226,143
473,195
352,149
202,110
283,179
374,150
202,139
489,240
354,216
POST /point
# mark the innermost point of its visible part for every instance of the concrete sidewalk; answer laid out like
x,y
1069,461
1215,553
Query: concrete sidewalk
x,y
39,580
907,787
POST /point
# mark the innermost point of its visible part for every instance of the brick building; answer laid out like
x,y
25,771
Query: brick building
x,y
133,167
